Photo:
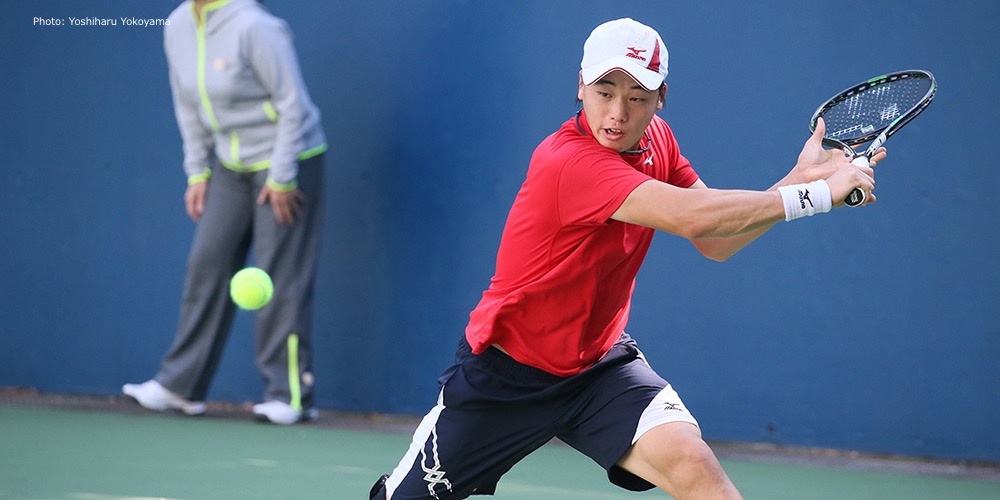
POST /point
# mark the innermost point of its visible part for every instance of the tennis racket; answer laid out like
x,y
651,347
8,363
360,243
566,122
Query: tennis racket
x,y
873,111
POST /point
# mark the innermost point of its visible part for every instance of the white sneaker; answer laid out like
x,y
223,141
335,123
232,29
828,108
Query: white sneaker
x,y
153,396
278,412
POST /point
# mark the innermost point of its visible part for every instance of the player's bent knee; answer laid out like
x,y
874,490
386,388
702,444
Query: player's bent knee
x,y
674,443
670,451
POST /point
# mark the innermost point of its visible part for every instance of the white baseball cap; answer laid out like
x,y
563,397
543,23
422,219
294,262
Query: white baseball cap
x,y
625,45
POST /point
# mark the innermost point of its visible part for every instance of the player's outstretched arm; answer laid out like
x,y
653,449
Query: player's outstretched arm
x,y
814,163
721,222
699,213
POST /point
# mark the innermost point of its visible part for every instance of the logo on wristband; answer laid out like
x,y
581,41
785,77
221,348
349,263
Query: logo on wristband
x,y
804,197
794,199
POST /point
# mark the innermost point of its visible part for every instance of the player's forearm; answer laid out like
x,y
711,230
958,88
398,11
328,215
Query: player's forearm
x,y
720,249
729,213
701,213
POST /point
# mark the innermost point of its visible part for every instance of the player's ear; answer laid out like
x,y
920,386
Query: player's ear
x,y
579,88
661,96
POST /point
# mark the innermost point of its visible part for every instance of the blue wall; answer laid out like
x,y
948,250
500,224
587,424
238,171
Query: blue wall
x,y
881,337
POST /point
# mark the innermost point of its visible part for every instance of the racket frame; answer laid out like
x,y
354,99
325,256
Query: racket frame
x,y
880,135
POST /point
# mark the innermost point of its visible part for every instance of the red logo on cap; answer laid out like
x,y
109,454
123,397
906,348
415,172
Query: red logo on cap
x,y
635,54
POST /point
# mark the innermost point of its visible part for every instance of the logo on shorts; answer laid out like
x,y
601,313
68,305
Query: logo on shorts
x,y
432,472
435,477
668,406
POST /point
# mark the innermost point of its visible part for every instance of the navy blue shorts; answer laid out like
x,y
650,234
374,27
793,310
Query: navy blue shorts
x,y
493,411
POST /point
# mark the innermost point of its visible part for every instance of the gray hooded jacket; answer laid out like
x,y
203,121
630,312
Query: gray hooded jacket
x,y
237,89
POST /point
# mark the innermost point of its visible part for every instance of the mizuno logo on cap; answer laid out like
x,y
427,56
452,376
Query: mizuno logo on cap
x,y
635,53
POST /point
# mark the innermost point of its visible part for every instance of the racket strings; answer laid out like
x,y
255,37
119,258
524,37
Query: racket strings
x,y
873,108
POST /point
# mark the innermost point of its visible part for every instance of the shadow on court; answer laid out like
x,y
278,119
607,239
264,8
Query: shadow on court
x,y
66,447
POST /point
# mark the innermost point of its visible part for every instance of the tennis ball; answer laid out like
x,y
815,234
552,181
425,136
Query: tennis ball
x,y
251,288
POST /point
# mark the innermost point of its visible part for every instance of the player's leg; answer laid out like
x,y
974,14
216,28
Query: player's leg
x,y
674,457
490,413
456,453
631,421
290,254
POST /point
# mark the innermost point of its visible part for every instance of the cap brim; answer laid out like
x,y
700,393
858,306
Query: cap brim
x,y
649,80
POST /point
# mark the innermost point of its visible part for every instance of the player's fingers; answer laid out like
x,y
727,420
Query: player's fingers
x,y
819,131
868,172
878,156
867,183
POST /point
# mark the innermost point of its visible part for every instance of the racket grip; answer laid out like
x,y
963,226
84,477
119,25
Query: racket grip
x,y
857,196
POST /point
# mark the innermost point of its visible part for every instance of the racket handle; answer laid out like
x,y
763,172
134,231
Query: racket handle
x,y
858,196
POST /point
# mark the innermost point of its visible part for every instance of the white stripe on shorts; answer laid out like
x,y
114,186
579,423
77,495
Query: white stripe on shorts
x,y
431,465
666,407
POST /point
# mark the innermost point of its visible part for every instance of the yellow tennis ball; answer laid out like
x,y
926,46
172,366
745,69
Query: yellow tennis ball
x,y
251,288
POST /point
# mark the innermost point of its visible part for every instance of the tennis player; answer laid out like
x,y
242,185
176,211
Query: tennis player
x,y
545,354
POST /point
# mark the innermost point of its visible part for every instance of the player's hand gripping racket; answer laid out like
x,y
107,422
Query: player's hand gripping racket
x,y
875,109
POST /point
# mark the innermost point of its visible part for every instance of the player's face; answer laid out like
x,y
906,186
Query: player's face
x,y
619,109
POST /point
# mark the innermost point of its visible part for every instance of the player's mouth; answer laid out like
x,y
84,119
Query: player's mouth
x,y
613,134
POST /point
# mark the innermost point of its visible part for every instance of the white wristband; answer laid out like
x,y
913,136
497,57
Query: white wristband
x,y
803,200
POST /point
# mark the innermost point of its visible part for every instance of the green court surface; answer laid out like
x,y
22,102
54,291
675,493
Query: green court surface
x,y
95,454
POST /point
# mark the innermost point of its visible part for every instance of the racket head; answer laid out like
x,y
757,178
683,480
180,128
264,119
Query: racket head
x,y
832,143
882,104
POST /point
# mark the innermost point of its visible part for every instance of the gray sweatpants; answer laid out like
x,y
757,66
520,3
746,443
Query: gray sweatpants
x,y
232,222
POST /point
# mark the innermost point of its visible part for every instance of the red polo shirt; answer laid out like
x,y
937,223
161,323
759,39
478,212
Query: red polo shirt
x,y
565,271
